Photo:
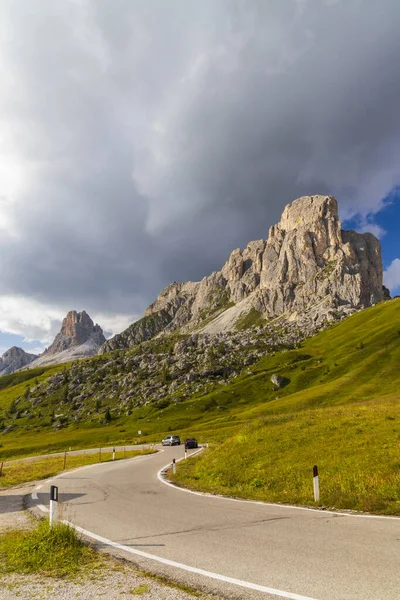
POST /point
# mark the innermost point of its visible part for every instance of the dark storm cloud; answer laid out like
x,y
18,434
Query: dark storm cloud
x,y
141,141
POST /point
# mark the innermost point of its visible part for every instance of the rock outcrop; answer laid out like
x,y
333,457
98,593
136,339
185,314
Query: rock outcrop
x,y
76,329
307,266
140,331
14,359
78,338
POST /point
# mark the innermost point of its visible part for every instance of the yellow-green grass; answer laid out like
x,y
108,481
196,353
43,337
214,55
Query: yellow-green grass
x,y
341,411
17,472
14,385
352,366
356,447
51,551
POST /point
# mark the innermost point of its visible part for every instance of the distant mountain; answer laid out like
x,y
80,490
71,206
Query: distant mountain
x,y
307,266
78,338
14,359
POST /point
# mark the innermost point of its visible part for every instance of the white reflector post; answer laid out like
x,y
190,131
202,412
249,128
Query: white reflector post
x,y
53,505
113,453
173,466
316,483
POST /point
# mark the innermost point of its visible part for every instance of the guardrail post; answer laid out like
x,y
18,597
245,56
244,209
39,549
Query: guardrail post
x,y
316,483
53,505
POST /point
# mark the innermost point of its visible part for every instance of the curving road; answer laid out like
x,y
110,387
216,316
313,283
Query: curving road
x,y
234,548
104,450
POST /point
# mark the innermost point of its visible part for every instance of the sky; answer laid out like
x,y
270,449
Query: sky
x,y
142,140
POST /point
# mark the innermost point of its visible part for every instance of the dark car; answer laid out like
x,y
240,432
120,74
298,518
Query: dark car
x,y
191,443
171,440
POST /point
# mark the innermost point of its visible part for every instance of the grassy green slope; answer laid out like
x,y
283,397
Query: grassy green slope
x,y
341,410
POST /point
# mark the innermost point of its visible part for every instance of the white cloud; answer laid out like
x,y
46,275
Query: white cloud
x,y
391,277
29,318
113,324
368,226
40,322
124,166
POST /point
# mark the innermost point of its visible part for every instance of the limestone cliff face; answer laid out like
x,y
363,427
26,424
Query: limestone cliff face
x,y
307,261
14,359
78,338
76,329
309,257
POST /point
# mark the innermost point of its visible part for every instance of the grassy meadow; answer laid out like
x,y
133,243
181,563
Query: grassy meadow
x,y
20,471
339,409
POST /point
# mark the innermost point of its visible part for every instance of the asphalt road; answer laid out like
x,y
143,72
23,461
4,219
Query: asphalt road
x,y
284,552
104,450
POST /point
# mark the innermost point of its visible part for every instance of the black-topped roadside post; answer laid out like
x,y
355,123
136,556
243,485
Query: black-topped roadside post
x,y
316,483
53,505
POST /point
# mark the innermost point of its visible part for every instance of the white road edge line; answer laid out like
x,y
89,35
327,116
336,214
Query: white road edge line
x,y
172,563
218,497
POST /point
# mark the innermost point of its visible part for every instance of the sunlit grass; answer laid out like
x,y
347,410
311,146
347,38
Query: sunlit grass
x,y
356,447
340,410
17,472
51,551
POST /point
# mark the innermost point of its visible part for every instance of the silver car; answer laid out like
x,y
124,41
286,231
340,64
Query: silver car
x,y
171,440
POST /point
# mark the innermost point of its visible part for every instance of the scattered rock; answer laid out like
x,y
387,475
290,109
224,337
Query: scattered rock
x,y
279,381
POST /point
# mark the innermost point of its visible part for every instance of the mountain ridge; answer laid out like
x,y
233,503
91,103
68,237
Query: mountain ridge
x,y
307,266
78,338
13,359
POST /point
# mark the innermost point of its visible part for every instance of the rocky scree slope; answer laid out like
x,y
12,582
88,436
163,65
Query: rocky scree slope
x,y
157,373
78,338
14,359
308,266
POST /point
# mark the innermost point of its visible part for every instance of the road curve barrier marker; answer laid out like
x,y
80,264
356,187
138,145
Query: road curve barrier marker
x,y
53,505
161,476
316,483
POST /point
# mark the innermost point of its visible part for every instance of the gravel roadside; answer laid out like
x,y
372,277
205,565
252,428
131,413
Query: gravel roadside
x,y
112,580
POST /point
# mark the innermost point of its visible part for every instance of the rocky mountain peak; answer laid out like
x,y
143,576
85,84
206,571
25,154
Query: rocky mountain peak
x,y
77,328
15,358
310,212
308,265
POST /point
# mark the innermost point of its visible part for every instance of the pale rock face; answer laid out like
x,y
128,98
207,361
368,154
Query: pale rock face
x,y
14,359
78,338
308,257
307,265
76,329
